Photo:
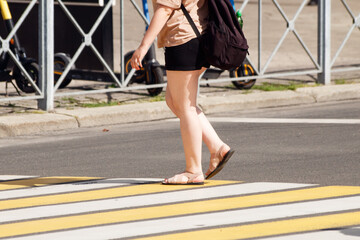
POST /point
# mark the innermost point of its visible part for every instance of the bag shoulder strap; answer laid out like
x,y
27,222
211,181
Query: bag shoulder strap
x,y
192,24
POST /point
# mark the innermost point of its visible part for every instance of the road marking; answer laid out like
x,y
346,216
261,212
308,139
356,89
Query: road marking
x,y
161,198
271,228
98,194
37,182
72,187
178,223
284,120
328,233
144,209
14,177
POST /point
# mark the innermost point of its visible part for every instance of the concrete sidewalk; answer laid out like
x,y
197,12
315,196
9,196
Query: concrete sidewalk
x,y
17,124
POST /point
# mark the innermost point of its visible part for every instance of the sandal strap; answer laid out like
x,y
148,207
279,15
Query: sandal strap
x,y
184,178
216,158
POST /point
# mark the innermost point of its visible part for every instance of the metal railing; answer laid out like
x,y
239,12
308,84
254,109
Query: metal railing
x,y
5,49
46,91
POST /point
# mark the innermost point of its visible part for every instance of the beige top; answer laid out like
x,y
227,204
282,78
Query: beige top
x,y
177,29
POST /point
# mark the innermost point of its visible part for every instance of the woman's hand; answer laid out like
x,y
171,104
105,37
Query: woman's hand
x,y
161,15
137,58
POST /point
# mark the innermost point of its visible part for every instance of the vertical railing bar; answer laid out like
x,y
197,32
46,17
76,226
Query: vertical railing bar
x,y
69,66
259,34
21,20
343,44
71,18
140,12
46,54
122,65
105,64
324,41
275,50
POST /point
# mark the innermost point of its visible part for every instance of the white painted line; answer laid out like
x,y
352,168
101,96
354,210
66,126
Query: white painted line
x,y
199,221
146,200
342,234
72,187
284,120
14,177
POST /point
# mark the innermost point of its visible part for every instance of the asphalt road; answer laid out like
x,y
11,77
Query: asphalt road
x,y
320,152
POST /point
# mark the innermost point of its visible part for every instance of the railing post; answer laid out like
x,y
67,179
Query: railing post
x,y
122,41
324,41
46,54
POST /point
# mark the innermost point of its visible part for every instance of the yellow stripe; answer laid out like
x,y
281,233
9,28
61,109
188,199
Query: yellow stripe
x,y
93,219
37,182
99,194
5,11
269,228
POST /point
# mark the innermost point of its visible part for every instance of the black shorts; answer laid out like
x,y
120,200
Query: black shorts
x,y
185,57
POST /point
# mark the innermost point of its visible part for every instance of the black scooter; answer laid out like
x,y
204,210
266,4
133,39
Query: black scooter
x,y
8,71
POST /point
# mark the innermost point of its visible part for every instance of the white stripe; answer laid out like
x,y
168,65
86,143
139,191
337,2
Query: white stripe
x,y
72,187
343,234
146,200
14,177
199,221
284,120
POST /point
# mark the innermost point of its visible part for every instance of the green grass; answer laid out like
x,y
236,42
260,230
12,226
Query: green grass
x,y
70,100
266,86
279,87
158,98
340,81
99,104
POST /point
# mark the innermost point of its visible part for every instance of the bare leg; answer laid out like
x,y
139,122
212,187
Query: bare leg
x,y
209,136
183,87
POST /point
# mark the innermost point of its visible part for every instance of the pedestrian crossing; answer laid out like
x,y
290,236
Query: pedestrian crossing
x,y
97,208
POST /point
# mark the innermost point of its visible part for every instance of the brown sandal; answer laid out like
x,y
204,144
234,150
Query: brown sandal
x,y
185,178
221,161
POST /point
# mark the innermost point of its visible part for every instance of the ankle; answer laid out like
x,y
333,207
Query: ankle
x,y
194,171
221,148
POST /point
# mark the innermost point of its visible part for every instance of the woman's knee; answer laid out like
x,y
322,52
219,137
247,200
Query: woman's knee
x,y
169,102
184,110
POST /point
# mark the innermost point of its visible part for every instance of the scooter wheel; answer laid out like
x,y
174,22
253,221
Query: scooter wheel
x,y
61,61
139,75
244,70
157,77
22,82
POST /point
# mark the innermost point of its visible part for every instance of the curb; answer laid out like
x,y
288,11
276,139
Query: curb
x,y
254,100
27,124
30,123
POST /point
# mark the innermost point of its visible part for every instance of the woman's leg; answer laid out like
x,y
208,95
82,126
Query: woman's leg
x,y
182,85
209,135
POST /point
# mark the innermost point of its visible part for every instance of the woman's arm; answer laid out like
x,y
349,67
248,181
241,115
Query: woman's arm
x,y
161,15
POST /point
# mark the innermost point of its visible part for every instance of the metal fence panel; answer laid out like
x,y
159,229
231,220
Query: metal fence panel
x,y
45,91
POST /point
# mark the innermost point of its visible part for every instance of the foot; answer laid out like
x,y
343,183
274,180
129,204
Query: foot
x,y
218,160
185,178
